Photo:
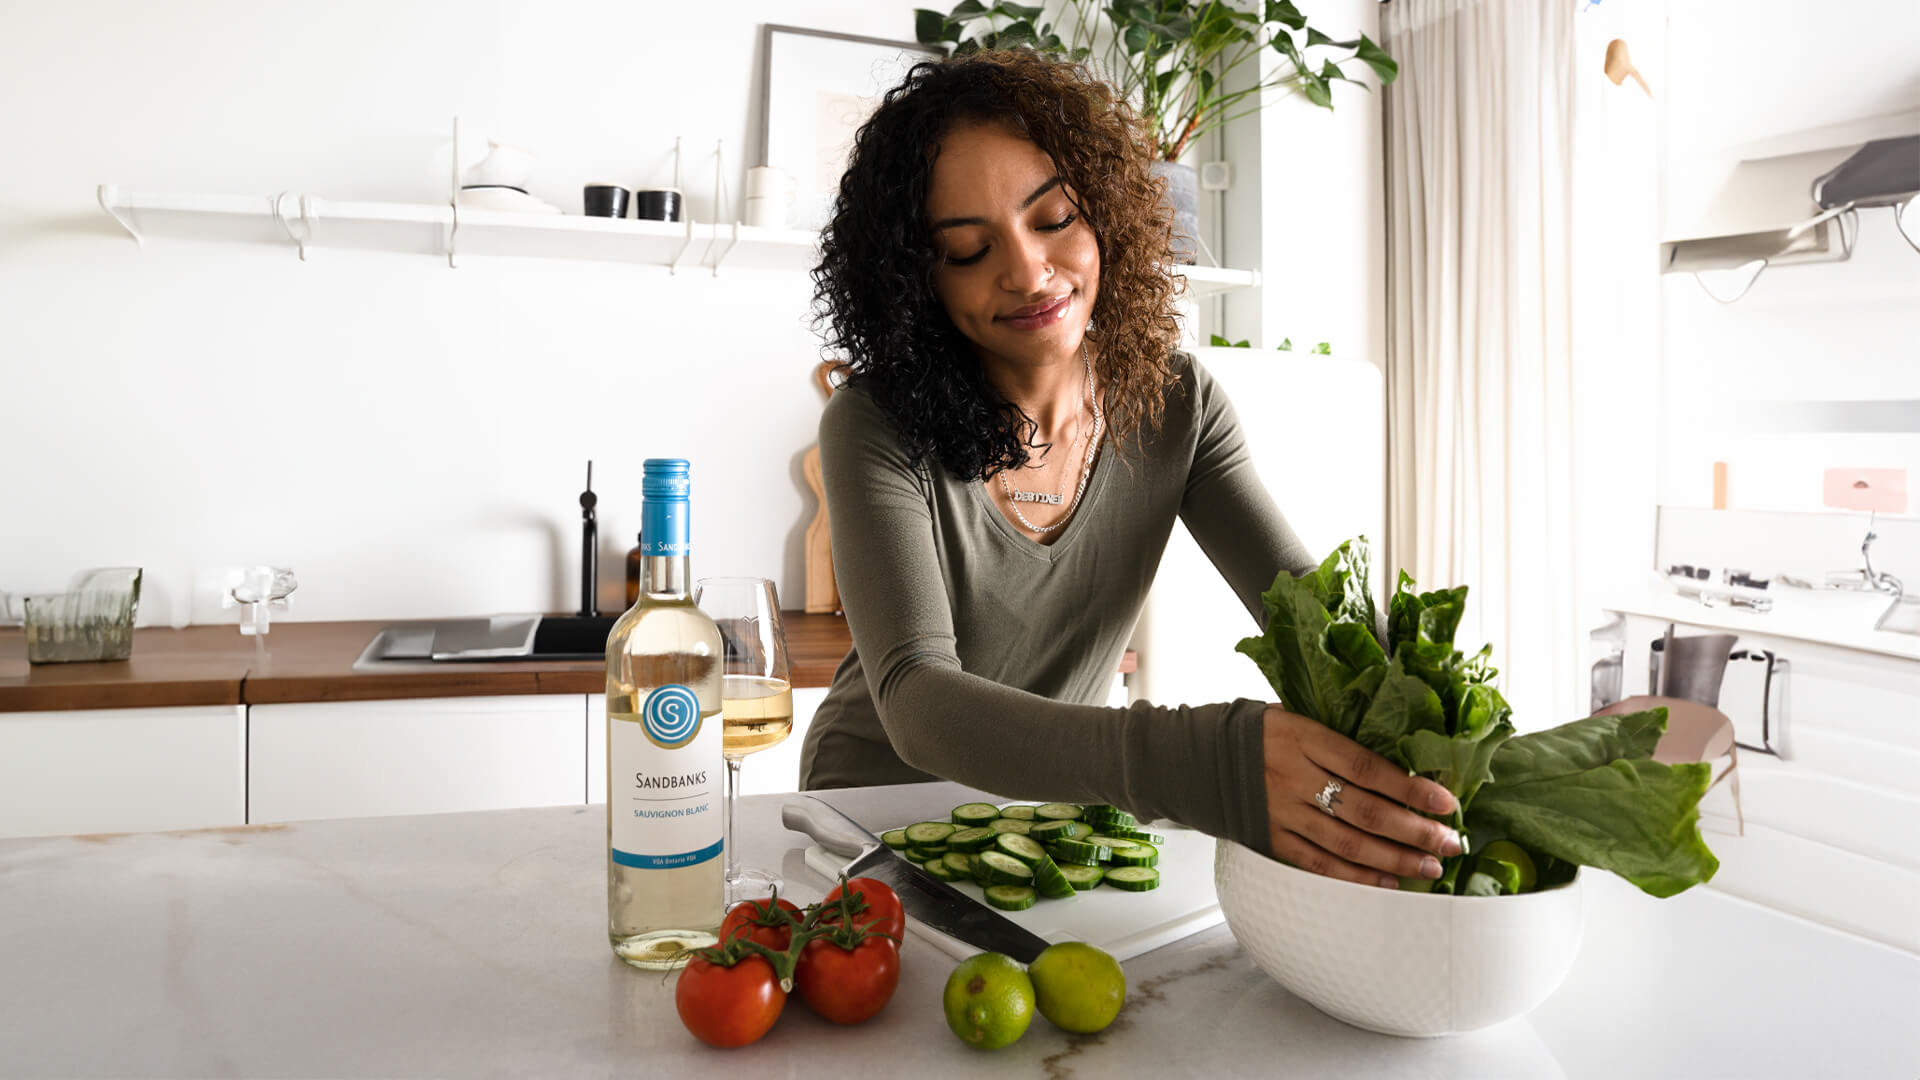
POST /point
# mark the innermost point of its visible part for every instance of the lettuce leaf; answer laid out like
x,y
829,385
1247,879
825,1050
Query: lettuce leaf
x,y
1636,818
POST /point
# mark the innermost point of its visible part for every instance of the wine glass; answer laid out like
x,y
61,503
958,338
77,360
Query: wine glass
x,y
756,697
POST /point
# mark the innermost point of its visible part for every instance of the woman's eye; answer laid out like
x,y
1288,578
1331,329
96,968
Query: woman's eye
x,y
982,253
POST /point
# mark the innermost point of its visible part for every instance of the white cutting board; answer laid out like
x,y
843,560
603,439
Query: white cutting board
x,y
1124,924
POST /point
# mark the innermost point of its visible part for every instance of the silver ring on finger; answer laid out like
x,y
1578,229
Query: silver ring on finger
x,y
1329,796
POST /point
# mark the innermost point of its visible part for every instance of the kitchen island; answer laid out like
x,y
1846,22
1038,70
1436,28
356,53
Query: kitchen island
x,y
472,945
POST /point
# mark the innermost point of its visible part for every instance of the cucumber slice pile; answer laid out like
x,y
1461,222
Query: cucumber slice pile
x,y
1020,853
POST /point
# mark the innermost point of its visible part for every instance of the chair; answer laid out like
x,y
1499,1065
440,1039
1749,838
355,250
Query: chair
x,y
1686,675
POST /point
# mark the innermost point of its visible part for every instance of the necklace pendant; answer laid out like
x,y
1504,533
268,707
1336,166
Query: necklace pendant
x,y
1049,497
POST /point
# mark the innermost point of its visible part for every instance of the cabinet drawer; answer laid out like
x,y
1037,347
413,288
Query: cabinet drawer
x,y
419,756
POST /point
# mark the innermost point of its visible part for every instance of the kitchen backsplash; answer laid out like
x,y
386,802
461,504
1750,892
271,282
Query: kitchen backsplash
x,y
1807,546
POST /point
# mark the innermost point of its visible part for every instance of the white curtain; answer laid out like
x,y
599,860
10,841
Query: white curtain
x,y
1480,393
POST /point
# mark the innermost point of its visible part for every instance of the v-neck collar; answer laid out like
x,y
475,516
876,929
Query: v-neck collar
x,y
1096,483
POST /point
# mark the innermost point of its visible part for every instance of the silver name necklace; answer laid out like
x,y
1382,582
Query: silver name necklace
x,y
1015,496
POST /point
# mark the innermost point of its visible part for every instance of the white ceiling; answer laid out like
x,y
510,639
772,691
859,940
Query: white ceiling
x,y
1746,71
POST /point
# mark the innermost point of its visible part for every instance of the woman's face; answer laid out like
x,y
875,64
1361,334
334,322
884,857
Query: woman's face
x,y
1019,268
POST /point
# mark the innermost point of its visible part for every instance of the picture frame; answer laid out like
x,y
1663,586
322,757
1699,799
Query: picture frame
x,y
817,87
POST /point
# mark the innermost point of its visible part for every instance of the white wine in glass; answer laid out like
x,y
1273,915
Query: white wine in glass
x,y
757,711
756,698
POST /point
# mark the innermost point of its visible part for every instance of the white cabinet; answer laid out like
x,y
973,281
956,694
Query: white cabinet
x,y
765,773
122,770
419,756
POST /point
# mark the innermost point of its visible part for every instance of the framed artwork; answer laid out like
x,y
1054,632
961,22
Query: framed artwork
x,y
818,88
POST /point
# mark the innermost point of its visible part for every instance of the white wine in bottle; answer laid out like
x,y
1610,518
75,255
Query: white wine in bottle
x,y
665,772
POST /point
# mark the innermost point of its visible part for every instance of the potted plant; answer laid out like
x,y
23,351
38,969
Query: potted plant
x,y
1172,59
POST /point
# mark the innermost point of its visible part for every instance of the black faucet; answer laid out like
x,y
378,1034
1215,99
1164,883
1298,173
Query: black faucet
x,y
589,548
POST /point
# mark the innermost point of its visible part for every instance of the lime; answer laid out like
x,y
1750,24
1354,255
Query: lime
x,y
989,1001
1078,987
1509,852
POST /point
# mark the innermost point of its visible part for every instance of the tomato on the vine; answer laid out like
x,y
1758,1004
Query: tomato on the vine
x,y
729,1006
749,917
883,912
846,985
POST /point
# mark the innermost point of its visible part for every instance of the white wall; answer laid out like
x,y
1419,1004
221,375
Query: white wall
x,y
409,438
1814,332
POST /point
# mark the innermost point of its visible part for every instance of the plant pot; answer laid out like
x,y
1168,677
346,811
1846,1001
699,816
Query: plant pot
x,y
1399,963
1183,197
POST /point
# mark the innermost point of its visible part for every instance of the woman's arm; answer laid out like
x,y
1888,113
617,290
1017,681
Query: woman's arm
x,y
1228,510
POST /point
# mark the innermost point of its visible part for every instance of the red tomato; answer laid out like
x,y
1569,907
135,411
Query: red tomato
x,y
740,921
728,1006
883,913
847,986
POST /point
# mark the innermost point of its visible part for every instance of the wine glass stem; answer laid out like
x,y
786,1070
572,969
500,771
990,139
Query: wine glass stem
x,y
733,804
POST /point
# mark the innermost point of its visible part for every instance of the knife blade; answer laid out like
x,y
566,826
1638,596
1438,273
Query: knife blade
x,y
925,897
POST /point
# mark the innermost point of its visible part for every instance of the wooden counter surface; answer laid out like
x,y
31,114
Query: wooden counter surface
x,y
313,661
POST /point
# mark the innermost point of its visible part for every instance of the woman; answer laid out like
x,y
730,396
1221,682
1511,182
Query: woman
x,y
1015,438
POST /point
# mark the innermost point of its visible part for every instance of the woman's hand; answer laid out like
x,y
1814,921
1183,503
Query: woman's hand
x,y
1367,835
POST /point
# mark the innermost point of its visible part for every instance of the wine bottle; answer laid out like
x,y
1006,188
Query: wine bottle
x,y
664,735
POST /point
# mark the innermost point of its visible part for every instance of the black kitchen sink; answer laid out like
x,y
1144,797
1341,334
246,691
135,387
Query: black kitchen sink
x,y
490,639
572,637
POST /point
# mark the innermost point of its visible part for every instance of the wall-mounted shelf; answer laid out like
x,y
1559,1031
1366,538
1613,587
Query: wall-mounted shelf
x,y
303,222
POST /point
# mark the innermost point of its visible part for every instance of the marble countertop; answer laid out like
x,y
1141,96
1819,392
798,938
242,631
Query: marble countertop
x,y
1825,616
473,945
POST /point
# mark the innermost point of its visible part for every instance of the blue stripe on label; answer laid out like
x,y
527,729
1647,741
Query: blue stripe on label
x,y
666,862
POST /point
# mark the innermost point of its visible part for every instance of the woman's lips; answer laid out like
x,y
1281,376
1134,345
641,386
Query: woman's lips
x,y
1041,319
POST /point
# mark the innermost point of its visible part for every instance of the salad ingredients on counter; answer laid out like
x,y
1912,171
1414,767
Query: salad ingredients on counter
x,y
1586,793
839,954
1020,854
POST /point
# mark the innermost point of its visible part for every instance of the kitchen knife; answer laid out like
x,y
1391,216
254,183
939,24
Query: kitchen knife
x,y
925,897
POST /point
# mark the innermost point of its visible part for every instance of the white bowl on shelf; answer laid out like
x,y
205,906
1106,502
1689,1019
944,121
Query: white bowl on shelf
x,y
1399,963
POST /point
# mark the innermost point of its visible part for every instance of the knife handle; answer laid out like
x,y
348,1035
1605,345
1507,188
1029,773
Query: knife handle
x,y
832,829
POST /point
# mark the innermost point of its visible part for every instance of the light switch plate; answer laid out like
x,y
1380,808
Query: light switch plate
x,y
1216,175
1880,490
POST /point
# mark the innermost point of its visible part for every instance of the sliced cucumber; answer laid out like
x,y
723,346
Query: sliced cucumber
x,y
1048,831
1140,854
1058,811
894,838
960,863
1021,847
1082,852
1134,878
1105,841
1104,815
922,854
1010,897
971,840
1007,825
1124,832
1082,878
1018,813
1050,881
929,833
980,872
974,813
1003,869
939,868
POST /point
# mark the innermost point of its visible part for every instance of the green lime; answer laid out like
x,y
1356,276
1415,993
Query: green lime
x,y
1509,852
989,1001
1078,987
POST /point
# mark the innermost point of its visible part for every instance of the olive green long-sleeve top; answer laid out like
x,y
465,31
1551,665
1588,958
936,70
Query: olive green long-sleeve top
x,y
980,656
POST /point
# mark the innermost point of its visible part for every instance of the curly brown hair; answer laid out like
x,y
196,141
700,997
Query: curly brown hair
x,y
873,287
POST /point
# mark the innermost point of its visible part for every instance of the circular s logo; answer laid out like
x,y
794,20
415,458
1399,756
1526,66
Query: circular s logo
x,y
671,716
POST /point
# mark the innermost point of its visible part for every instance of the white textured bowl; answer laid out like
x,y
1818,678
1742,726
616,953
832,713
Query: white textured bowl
x,y
1399,963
